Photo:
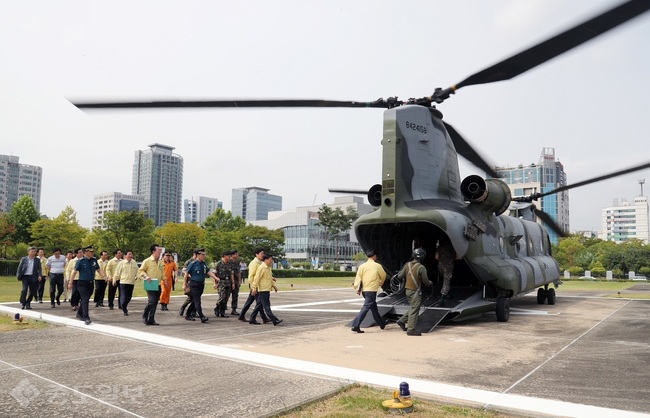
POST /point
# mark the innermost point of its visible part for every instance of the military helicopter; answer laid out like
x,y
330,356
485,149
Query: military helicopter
x,y
422,199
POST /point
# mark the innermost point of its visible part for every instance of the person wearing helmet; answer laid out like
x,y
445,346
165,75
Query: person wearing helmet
x,y
415,275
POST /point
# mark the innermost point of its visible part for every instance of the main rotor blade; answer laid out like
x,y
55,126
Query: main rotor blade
x,y
380,103
546,218
551,48
594,180
464,149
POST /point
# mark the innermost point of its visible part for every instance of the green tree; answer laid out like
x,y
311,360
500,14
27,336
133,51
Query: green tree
x,y
130,230
253,236
336,222
63,231
566,250
22,215
6,233
181,238
222,233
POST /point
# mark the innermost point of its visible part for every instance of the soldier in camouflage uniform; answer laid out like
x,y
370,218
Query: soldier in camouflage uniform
x,y
234,265
415,275
223,270
445,255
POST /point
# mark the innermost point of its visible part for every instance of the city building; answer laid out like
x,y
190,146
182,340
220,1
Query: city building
x,y
625,221
545,176
17,180
158,177
196,209
114,202
254,203
305,240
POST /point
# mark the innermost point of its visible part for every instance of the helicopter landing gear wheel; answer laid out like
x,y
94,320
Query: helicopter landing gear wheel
x,y
503,309
542,294
551,296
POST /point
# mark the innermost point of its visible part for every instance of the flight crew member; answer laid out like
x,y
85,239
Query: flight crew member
x,y
445,255
113,282
152,268
236,274
262,285
44,274
370,277
415,275
194,279
188,300
126,274
223,271
29,272
100,284
56,267
72,284
86,268
252,269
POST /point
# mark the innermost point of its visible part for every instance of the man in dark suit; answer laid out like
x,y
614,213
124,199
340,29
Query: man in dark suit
x,y
29,272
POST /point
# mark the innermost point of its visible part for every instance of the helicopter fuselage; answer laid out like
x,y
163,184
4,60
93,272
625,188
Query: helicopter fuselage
x,y
423,200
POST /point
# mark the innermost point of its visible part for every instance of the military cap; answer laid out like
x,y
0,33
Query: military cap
x,y
199,250
227,252
88,248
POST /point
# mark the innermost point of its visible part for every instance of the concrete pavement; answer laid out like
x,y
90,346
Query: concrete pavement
x,y
584,356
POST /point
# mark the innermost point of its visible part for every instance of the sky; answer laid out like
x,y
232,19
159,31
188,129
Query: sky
x,y
590,104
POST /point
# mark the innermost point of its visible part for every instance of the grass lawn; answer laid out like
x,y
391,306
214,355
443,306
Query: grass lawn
x,y
363,401
7,323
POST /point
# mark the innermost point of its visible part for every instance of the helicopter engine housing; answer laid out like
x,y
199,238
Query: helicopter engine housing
x,y
492,194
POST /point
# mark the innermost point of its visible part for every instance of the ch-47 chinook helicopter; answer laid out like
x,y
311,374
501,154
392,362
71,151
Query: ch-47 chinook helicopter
x,y
422,199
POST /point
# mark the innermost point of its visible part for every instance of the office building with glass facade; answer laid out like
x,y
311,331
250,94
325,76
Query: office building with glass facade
x,y
254,203
196,209
19,179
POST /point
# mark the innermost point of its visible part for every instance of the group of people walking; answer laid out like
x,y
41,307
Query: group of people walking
x,y
78,275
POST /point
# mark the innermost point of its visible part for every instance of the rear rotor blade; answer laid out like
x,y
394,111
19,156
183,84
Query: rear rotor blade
x,y
545,217
551,48
380,103
464,149
344,191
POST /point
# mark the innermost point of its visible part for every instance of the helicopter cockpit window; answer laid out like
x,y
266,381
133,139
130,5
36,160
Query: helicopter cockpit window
x,y
501,245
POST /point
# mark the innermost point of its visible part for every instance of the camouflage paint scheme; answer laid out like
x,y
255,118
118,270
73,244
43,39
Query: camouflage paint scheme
x,y
423,198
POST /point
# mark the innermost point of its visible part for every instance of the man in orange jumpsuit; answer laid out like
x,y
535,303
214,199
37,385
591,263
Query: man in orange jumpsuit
x,y
169,271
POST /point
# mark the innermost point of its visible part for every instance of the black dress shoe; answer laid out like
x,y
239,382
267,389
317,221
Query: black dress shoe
x,y
126,313
53,305
234,312
101,305
189,318
144,321
402,325
40,301
110,308
223,315
278,322
97,305
266,321
357,330
58,302
413,333
242,318
28,307
87,321
204,319
383,326
153,323
253,322
181,311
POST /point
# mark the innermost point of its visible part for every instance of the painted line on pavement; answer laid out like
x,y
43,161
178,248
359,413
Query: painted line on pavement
x,y
502,400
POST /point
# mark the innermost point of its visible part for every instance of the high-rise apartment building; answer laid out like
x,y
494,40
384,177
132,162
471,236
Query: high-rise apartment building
x,y
626,221
19,179
254,203
158,177
114,202
196,209
539,178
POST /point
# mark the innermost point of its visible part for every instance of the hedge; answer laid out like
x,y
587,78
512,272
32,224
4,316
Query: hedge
x,y
8,267
287,273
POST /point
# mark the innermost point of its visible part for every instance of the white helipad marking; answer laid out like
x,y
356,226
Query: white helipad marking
x,y
505,400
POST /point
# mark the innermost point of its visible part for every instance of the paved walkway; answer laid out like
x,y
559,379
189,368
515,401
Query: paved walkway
x,y
584,356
